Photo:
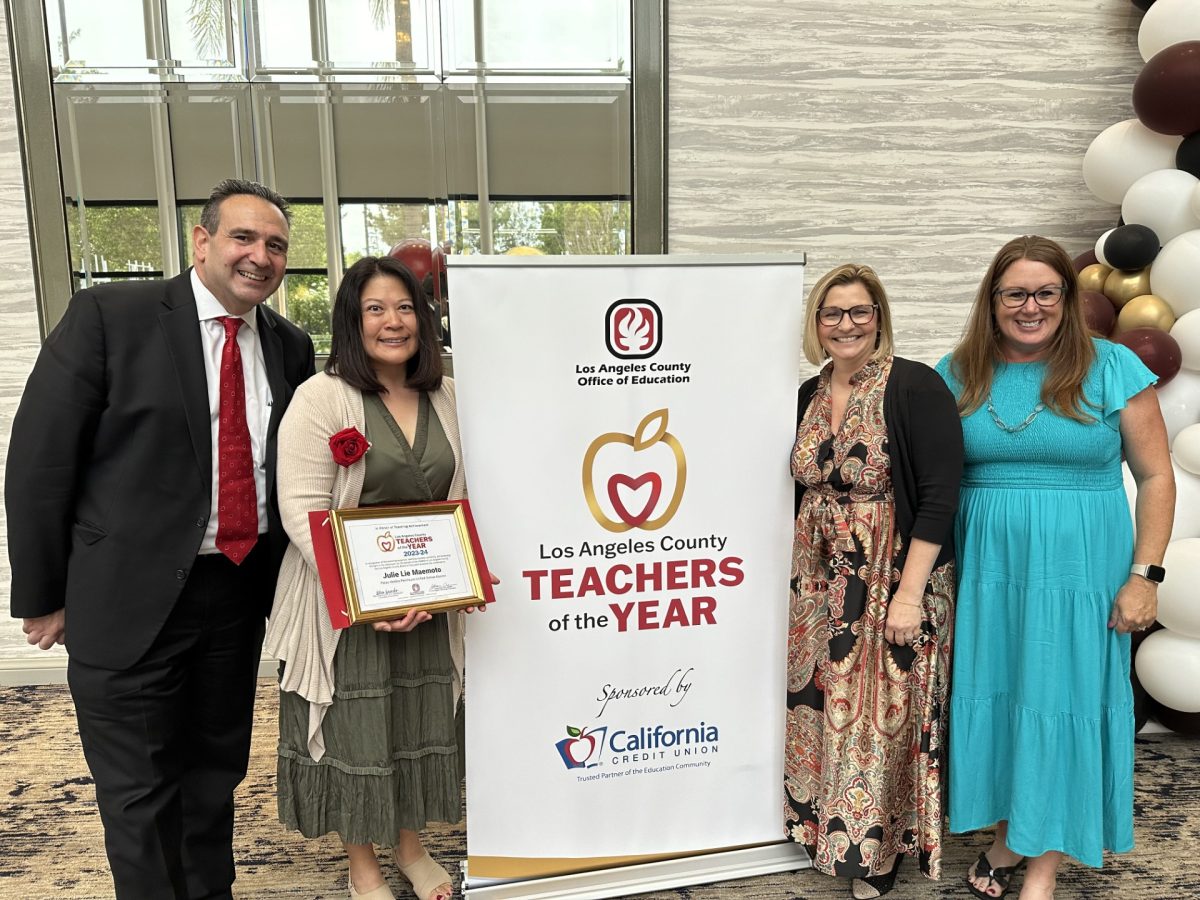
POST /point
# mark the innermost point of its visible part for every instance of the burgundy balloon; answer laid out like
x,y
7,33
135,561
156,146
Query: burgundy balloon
x,y
1157,349
1166,94
1085,259
417,256
1099,312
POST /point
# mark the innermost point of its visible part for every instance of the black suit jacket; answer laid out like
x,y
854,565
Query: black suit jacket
x,y
108,483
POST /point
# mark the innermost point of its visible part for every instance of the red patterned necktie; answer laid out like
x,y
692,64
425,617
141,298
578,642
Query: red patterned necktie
x,y
237,500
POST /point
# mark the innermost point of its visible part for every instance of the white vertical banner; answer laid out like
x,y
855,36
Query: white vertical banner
x,y
626,425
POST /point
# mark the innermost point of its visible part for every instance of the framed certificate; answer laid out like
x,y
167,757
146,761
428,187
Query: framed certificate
x,y
396,559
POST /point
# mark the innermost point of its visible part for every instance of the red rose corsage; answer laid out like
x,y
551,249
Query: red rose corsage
x,y
348,446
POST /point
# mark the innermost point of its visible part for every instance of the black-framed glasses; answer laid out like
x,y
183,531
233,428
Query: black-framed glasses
x,y
831,316
1014,298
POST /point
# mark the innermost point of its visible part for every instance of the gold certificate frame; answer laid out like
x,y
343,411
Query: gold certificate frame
x,y
394,560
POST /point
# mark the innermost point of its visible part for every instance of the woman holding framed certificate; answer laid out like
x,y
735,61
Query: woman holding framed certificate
x,y
369,745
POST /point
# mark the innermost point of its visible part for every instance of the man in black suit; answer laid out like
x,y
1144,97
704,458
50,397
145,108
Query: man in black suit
x,y
142,449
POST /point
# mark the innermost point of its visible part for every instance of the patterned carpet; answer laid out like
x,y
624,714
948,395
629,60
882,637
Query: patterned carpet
x,y
53,845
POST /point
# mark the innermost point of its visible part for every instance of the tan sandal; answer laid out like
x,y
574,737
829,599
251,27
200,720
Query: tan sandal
x,y
426,876
383,892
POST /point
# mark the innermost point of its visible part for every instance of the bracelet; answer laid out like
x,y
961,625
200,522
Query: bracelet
x,y
904,602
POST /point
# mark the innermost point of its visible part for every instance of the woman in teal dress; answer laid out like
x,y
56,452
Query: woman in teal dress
x,y
369,745
1041,711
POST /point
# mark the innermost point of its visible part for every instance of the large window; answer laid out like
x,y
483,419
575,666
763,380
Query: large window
x,y
485,126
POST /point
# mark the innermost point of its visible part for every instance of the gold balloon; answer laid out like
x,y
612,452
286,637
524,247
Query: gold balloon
x,y
524,251
1146,311
1091,278
1121,287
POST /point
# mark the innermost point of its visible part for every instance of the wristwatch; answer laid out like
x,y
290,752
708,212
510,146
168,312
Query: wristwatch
x,y
1149,572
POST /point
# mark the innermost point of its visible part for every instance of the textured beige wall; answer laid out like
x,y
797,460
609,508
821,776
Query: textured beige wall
x,y
913,135
18,318
916,136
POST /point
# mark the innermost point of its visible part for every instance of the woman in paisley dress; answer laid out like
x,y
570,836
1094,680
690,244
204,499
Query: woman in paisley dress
x,y
877,463
1041,721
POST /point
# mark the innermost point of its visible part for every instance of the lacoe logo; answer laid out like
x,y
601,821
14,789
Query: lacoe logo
x,y
641,476
581,748
633,329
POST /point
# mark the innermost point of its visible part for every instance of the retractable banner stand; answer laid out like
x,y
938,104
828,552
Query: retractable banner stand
x,y
627,425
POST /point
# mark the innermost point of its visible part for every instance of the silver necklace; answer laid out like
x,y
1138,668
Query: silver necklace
x,y
1012,429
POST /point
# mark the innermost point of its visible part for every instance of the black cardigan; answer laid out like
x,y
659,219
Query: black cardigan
x,y
926,448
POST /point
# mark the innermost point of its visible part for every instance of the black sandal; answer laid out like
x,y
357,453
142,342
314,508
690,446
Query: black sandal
x,y
881,884
997,875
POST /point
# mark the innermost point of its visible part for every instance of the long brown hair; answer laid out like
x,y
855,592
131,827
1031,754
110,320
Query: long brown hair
x,y
1068,357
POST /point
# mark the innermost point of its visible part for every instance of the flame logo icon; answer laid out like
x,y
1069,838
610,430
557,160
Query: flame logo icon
x,y
658,465
633,329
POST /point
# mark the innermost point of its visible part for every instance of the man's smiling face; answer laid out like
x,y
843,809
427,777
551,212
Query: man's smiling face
x,y
243,262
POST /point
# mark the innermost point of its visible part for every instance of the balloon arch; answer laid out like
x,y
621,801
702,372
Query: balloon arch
x,y
1141,287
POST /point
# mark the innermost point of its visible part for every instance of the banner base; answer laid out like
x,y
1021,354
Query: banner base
x,y
627,881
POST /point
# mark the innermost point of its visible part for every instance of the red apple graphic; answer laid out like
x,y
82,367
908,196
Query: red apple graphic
x,y
386,542
642,469
581,748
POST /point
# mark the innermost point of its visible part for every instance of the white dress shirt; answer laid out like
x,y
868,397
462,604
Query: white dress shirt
x,y
258,396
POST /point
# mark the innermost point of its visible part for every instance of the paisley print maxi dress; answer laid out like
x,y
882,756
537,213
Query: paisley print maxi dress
x,y
864,758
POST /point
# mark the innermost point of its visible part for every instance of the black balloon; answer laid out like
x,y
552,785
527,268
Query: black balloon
x,y
1143,5
1179,722
1131,247
1187,157
1142,704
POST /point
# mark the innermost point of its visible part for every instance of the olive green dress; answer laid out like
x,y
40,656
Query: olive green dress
x,y
393,748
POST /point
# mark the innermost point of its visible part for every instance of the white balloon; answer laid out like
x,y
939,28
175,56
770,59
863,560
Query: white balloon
x,y
1196,202
1162,201
1175,273
1100,248
1187,500
1177,606
1168,22
1179,400
1185,450
1186,332
1123,153
1130,490
1168,666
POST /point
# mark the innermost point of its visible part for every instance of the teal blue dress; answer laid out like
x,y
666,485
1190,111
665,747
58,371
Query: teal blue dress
x,y
1041,709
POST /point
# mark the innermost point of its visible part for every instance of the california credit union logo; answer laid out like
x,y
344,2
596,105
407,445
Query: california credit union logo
x,y
581,748
633,329
640,477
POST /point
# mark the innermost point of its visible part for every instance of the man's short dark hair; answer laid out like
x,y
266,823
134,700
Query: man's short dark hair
x,y
210,216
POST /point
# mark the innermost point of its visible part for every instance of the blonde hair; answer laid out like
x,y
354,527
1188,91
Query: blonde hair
x,y
1068,357
848,273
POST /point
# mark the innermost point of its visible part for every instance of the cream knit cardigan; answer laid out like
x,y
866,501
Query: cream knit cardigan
x,y
298,630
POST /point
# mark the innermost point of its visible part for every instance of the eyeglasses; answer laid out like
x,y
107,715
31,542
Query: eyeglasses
x,y
1014,298
831,316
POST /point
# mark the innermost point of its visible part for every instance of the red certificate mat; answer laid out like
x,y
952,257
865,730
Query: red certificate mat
x,y
330,573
